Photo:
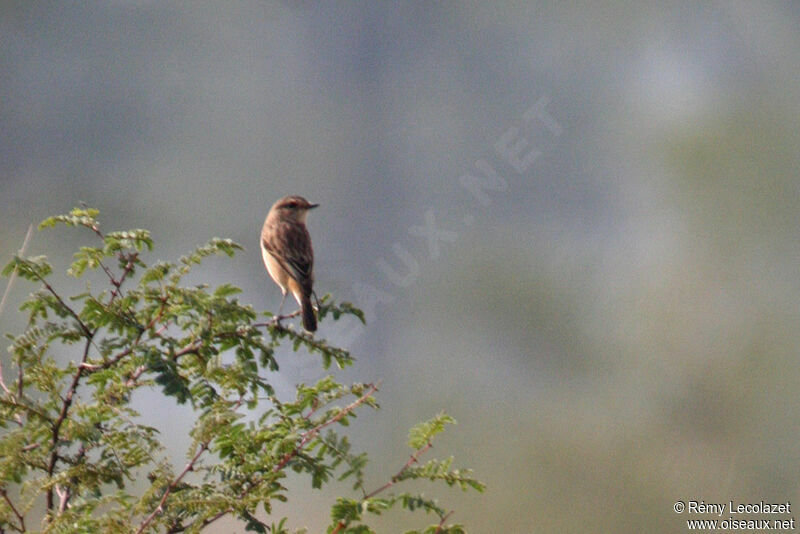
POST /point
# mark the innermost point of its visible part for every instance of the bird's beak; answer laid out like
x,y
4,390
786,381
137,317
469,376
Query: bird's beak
x,y
312,206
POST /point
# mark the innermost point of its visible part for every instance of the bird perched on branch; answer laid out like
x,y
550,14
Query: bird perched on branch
x,y
288,256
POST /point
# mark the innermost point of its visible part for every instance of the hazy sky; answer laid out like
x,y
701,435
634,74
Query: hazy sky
x,y
573,226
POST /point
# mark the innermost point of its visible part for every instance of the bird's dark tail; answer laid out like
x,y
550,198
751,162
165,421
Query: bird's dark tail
x,y
309,316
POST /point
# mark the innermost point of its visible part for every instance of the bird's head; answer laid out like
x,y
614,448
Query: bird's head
x,y
294,207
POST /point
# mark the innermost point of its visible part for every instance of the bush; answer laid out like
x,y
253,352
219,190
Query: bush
x,y
72,443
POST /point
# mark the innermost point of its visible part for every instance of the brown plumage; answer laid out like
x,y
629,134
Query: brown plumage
x,y
288,255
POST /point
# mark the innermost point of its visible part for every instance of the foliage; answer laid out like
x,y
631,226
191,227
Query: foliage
x,y
73,445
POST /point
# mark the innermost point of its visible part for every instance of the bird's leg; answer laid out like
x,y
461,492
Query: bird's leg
x,y
278,316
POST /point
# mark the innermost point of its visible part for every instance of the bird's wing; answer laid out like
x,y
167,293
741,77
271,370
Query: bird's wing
x,y
290,245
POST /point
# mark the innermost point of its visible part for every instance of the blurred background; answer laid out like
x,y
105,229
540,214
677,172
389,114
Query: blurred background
x,y
574,227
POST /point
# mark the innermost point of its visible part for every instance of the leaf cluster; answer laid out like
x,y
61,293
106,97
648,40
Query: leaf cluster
x,y
72,442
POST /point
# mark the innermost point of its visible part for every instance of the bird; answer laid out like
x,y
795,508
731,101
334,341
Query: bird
x,y
288,255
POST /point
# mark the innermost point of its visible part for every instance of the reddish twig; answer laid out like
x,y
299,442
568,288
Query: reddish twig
x,y
82,368
308,436
276,320
16,512
311,434
392,481
177,480
65,406
441,523
411,461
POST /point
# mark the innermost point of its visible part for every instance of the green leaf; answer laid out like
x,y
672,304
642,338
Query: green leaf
x,y
35,268
156,273
135,239
346,510
194,346
440,470
76,217
86,258
422,433
327,306
226,290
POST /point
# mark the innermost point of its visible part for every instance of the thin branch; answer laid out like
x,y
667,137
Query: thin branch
x,y
116,283
88,333
189,467
113,361
63,498
65,406
32,410
111,279
308,436
94,228
411,461
275,320
83,368
441,523
76,379
308,339
177,480
311,434
16,512
135,376
127,270
392,481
